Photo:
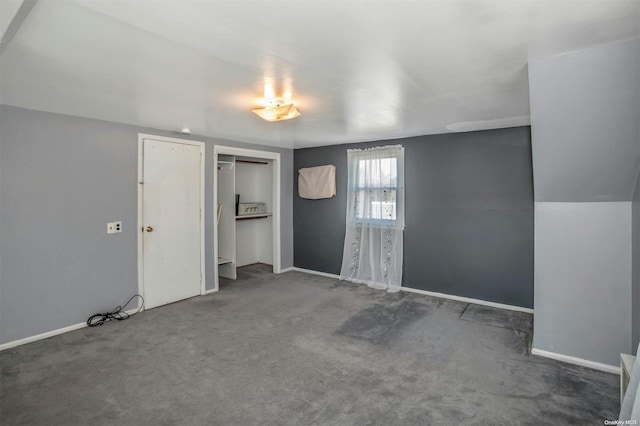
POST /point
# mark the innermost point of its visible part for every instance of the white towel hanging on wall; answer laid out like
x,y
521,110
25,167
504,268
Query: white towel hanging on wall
x,y
315,183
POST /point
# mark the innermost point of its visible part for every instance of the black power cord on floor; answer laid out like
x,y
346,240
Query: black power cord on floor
x,y
117,314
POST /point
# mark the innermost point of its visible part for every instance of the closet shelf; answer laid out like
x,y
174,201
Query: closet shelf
x,y
223,260
253,216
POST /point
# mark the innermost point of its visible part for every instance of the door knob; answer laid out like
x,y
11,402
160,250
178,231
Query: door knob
x,y
149,229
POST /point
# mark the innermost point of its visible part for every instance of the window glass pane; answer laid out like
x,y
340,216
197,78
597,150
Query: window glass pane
x,y
376,204
379,173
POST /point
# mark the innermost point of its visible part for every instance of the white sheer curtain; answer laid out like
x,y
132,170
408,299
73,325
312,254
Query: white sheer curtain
x,y
375,217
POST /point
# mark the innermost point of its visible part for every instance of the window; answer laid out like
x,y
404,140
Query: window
x,y
376,185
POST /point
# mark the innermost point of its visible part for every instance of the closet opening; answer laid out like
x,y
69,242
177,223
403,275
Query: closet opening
x,y
247,205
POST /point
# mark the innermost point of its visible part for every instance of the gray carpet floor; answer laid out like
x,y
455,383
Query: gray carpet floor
x,y
301,349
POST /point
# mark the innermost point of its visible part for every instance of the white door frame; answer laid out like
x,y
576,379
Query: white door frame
x,y
141,138
266,155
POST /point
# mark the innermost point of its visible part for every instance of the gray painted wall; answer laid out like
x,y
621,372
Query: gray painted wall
x,y
635,250
585,110
469,214
582,280
585,124
62,179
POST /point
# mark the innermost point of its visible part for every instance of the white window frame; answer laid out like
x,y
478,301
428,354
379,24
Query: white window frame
x,y
399,188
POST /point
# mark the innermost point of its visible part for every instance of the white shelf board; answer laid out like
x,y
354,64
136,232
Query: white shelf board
x,y
223,260
253,216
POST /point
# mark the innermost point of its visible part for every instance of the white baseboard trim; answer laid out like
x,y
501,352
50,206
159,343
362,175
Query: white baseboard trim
x,y
311,271
213,290
51,333
577,361
432,293
289,269
41,336
468,300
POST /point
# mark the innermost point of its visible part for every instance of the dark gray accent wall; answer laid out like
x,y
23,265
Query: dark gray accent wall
x,y
62,178
469,214
635,258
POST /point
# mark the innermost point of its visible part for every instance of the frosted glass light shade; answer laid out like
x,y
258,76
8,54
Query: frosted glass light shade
x,y
277,112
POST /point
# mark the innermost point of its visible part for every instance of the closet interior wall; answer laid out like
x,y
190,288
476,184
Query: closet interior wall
x,y
226,217
254,239
244,239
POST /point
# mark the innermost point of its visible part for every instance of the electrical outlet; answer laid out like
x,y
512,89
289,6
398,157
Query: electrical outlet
x,y
114,227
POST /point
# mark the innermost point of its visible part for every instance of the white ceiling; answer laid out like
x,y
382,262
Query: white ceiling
x,y
358,70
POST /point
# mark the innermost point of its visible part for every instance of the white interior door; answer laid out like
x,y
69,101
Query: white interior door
x,y
171,221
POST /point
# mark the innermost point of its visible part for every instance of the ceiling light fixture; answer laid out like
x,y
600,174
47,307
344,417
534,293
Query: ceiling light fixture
x,y
277,110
